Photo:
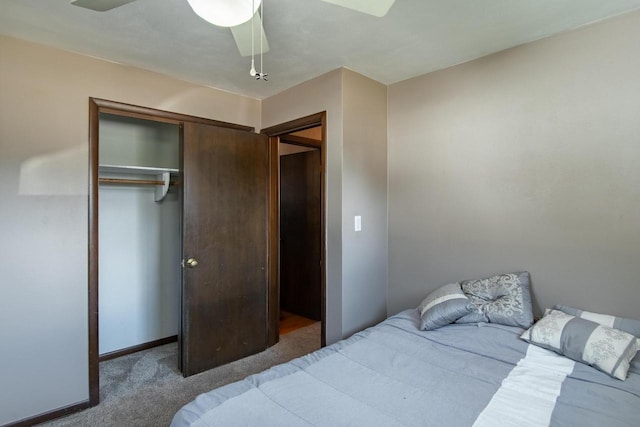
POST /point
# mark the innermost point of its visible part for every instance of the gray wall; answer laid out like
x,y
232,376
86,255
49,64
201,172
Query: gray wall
x,y
136,142
43,209
139,244
139,281
525,159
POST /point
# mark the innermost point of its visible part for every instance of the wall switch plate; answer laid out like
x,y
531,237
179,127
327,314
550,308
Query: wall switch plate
x,y
358,223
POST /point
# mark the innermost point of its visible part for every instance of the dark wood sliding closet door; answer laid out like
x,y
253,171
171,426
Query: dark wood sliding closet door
x,y
225,206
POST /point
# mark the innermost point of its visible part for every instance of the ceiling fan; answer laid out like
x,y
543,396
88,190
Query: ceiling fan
x,y
242,32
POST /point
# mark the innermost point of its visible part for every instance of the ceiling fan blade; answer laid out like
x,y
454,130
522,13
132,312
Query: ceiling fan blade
x,y
377,8
100,5
242,35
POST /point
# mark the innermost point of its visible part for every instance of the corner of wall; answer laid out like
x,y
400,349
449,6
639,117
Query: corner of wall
x,y
364,186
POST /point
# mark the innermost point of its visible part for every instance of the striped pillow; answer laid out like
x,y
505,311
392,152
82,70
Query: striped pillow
x,y
443,306
630,326
607,349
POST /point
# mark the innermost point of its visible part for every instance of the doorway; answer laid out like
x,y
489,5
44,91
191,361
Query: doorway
x,y
300,235
230,273
297,275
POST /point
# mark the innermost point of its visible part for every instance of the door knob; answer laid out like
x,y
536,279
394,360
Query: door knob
x,y
192,262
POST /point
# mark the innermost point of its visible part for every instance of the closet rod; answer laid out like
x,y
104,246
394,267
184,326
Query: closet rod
x,y
134,181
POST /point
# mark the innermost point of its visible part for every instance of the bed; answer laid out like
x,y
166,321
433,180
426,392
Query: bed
x,y
396,374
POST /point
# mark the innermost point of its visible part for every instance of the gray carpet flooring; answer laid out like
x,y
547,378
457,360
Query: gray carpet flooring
x,y
146,389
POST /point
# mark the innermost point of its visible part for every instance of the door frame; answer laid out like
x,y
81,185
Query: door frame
x,y
279,133
97,106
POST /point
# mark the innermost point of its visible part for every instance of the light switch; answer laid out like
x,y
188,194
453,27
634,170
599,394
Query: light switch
x,y
358,223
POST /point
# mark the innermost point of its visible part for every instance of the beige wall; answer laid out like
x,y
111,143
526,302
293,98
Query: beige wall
x,y
286,149
323,93
525,159
356,185
43,216
312,133
364,193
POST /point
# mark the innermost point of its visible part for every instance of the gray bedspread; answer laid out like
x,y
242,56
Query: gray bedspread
x,y
393,374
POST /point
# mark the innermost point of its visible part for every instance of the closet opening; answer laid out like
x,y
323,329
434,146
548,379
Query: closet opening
x,y
139,250
140,295
297,298
139,225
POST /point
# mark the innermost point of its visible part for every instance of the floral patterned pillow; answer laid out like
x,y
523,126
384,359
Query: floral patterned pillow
x,y
607,349
504,299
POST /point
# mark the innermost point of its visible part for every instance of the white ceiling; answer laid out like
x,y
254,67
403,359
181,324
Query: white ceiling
x,y
307,37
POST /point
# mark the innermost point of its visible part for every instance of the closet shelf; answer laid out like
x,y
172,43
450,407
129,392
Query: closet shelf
x,y
136,170
162,175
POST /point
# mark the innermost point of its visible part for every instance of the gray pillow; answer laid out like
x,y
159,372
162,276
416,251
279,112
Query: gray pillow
x,y
504,299
607,349
443,306
631,326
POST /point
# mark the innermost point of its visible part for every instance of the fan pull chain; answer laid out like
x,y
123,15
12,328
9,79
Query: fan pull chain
x,y
253,72
261,74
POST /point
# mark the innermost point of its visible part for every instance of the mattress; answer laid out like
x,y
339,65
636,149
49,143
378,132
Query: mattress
x,y
393,374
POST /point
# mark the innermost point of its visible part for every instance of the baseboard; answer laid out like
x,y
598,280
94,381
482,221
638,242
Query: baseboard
x,y
136,348
48,416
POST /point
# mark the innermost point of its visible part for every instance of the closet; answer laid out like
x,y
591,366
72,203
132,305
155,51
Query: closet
x,y
178,236
139,228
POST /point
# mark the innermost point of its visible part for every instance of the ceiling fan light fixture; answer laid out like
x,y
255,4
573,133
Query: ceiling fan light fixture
x,y
225,13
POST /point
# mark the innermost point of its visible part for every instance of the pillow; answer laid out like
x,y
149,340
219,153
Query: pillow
x,y
607,349
504,299
443,306
631,326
